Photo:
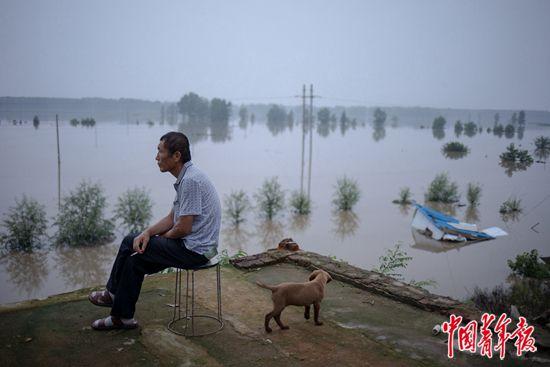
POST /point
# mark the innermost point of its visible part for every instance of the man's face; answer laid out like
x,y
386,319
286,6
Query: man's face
x,y
165,160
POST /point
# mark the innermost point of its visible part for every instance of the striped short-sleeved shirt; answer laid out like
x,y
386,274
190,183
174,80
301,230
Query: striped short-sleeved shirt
x,y
196,196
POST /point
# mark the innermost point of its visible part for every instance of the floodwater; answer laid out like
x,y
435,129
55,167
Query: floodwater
x,y
122,156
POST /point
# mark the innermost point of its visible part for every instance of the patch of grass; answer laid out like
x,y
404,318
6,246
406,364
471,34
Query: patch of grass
x,y
392,260
300,203
25,225
134,209
81,217
236,204
347,194
512,205
270,198
442,190
473,194
405,196
225,258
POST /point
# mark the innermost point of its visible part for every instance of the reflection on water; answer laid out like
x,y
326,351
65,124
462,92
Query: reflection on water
x,y
405,209
424,243
511,216
346,223
235,238
445,208
472,214
511,167
270,233
438,133
299,222
84,266
27,270
379,132
454,155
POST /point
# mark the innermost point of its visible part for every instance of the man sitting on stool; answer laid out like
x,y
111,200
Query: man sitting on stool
x,y
187,237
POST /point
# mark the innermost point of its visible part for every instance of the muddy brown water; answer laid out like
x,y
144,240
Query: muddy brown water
x,y
121,156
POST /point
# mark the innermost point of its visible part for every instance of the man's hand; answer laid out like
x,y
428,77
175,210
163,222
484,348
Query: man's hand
x,y
141,241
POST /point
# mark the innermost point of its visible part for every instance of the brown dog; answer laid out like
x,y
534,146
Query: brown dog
x,y
297,294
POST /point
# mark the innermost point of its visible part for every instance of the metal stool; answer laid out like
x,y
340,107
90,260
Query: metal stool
x,y
189,316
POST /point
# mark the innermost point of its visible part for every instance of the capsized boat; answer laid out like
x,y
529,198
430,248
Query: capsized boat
x,y
441,227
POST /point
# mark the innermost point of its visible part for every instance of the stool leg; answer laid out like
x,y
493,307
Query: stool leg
x,y
186,300
193,302
219,291
178,281
175,297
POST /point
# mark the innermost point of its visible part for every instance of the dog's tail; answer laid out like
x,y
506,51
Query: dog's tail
x,y
270,287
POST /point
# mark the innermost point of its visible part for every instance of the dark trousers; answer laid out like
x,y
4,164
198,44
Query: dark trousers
x,y
128,271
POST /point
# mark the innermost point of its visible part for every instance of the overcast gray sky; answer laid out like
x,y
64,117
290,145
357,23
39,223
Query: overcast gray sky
x,y
469,54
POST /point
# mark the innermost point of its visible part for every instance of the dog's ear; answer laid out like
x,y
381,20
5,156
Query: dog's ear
x,y
314,274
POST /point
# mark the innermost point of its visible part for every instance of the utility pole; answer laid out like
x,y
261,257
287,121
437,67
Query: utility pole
x,y
58,164
303,136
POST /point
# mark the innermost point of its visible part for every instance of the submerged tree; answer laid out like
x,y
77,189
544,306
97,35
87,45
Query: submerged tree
x,y
81,218
24,225
270,198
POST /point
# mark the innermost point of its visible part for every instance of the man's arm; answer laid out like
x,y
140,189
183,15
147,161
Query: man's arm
x,y
162,226
182,227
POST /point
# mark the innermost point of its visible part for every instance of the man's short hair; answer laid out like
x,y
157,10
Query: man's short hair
x,y
177,142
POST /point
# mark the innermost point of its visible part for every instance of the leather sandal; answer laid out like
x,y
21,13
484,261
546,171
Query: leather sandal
x,y
101,298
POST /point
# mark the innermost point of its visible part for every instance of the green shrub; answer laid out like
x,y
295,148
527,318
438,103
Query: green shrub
x,y
458,128
300,203
530,296
405,196
81,217
528,264
393,260
512,205
439,123
455,146
514,155
473,194
270,198
74,122
542,143
470,129
455,150
134,209
347,194
236,204
89,121
442,190
25,225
